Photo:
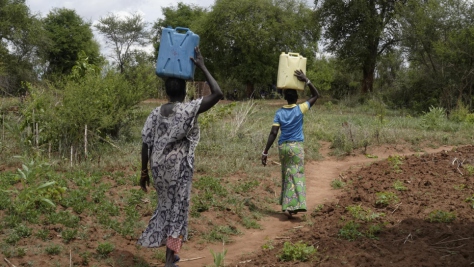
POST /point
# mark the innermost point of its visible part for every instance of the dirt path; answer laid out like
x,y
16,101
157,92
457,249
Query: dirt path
x,y
319,175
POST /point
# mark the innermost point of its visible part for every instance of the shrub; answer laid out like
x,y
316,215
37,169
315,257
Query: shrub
x,y
350,231
219,258
398,185
441,216
459,114
296,252
53,249
102,102
433,119
365,214
104,249
337,184
385,198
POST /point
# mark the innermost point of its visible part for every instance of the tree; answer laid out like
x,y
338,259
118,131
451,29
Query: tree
x,y
20,36
359,32
182,15
122,34
439,42
69,34
243,39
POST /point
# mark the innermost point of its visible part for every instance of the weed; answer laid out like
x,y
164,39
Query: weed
x,y
337,184
398,185
470,200
23,230
85,257
135,197
469,169
221,233
268,245
20,252
459,187
385,198
43,234
296,252
68,235
319,208
434,118
160,255
251,224
53,249
350,231
374,230
104,249
441,216
219,258
246,186
12,238
365,214
396,161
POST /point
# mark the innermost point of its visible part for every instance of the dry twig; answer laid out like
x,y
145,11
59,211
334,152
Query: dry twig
x,y
408,237
440,242
9,262
396,208
192,259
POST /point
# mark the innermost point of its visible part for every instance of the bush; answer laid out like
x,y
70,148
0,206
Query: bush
x,y
104,249
441,216
296,252
103,103
434,118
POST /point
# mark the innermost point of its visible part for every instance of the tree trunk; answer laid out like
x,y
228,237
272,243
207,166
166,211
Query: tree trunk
x,y
368,69
250,90
368,79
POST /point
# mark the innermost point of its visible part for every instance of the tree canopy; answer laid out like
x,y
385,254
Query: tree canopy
x,y
245,38
69,34
121,34
359,31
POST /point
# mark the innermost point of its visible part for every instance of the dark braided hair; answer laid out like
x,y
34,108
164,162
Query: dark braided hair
x,y
175,87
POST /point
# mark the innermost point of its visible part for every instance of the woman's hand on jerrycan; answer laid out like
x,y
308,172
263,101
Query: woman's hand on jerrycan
x,y
300,75
198,60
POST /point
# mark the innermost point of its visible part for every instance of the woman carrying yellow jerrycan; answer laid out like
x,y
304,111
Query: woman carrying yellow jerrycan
x,y
289,119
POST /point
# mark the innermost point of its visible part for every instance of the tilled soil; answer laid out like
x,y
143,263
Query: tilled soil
x,y
413,229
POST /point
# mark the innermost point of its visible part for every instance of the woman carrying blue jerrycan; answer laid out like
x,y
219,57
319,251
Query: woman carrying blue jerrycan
x,y
170,136
289,119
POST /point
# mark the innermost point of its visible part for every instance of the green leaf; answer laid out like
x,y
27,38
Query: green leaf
x,y
47,184
49,202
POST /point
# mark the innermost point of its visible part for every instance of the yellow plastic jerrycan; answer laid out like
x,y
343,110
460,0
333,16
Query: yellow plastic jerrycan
x,y
286,71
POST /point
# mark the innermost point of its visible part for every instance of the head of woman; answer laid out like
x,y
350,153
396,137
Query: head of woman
x,y
291,96
175,89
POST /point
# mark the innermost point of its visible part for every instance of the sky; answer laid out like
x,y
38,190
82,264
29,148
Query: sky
x,y
93,10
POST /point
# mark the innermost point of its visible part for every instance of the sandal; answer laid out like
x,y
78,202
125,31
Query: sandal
x,y
176,258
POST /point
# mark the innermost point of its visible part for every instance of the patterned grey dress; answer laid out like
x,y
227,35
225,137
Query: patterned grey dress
x,y
172,141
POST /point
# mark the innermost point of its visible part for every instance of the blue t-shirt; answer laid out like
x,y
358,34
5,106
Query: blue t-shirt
x,y
290,120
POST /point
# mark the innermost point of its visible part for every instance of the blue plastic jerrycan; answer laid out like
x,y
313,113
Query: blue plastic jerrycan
x,y
176,49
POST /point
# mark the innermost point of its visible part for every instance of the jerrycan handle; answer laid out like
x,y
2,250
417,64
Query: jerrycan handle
x,y
293,54
181,29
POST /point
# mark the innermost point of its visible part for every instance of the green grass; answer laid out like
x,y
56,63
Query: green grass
x,y
337,184
296,252
101,194
385,198
441,216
